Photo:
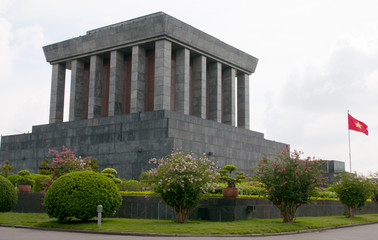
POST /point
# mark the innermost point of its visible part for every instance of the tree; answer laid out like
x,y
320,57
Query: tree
x,y
181,180
289,181
353,191
6,168
225,175
374,180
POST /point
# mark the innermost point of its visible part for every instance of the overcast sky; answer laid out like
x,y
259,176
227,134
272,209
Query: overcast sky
x,y
317,59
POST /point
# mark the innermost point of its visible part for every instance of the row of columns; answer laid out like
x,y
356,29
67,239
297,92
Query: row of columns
x,y
202,88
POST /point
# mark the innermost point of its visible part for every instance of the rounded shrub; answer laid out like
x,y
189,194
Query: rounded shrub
x,y
78,194
8,195
109,171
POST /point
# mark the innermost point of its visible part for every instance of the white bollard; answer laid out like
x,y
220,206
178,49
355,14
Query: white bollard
x,y
99,211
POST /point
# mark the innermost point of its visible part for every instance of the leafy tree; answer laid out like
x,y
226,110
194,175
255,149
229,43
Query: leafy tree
x,y
182,180
111,173
6,168
289,181
353,191
374,196
226,175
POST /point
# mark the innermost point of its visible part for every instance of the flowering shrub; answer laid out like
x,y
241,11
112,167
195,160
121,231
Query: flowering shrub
x,y
289,181
353,191
374,196
65,162
181,180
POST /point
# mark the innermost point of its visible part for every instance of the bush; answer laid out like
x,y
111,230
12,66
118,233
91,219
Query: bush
x,y
374,181
44,167
8,195
39,179
289,181
6,168
65,162
13,179
251,188
353,191
132,185
25,178
182,180
225,175
374,196
111,173
78,194
325,193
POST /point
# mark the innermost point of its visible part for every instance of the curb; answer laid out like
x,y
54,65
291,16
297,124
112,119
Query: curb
x,y
186,235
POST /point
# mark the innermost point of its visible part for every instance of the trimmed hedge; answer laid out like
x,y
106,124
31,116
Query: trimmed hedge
x,y
8,195
78,194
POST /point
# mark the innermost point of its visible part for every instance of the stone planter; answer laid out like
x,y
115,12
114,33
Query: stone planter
x,y
230,192
24,188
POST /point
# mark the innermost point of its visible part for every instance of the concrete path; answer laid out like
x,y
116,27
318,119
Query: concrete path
x,y
365,232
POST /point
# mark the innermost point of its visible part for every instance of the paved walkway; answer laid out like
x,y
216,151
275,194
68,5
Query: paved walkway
x,y
365,232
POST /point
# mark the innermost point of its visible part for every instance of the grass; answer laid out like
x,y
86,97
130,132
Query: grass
x,y
251,226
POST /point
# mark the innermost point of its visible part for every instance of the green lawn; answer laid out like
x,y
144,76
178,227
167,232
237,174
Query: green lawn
x,y
251,226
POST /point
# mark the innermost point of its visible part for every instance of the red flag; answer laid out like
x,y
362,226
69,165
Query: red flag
x,y
354,124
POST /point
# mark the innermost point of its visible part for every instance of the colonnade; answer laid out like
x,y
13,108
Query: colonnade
x,y
162,75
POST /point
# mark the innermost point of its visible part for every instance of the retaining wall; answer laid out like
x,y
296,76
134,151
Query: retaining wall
x,y
212,209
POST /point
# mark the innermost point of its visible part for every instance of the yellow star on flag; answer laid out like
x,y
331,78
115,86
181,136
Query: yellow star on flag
x,y
358,125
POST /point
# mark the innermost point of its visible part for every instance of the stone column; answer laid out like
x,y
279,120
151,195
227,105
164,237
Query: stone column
x,y
138,74
162,92
229,75
77,88
58,79
116,83
199,87
243,100
95,87
182,80
215,91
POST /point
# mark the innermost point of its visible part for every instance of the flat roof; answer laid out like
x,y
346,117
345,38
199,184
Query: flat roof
x,y
146,29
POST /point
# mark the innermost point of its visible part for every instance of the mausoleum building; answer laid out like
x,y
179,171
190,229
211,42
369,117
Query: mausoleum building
x,y
141,88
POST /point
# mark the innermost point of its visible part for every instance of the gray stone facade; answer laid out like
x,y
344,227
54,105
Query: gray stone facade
x,y
141,88
127,142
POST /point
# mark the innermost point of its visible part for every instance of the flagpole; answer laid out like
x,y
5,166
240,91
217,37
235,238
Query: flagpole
x,y
350,154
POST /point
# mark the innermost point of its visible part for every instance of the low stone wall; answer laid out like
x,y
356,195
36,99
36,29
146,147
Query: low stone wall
x,y
212,209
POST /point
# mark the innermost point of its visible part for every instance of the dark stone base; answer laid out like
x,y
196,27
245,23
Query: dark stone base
x,y
127,142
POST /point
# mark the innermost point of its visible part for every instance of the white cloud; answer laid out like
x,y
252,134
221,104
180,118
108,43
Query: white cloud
x,y
7,55
309,111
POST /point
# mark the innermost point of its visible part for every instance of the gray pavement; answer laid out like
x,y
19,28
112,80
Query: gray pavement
x,y
365,232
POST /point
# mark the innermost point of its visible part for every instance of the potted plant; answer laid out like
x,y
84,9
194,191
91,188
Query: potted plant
x,y
25,181
226,176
